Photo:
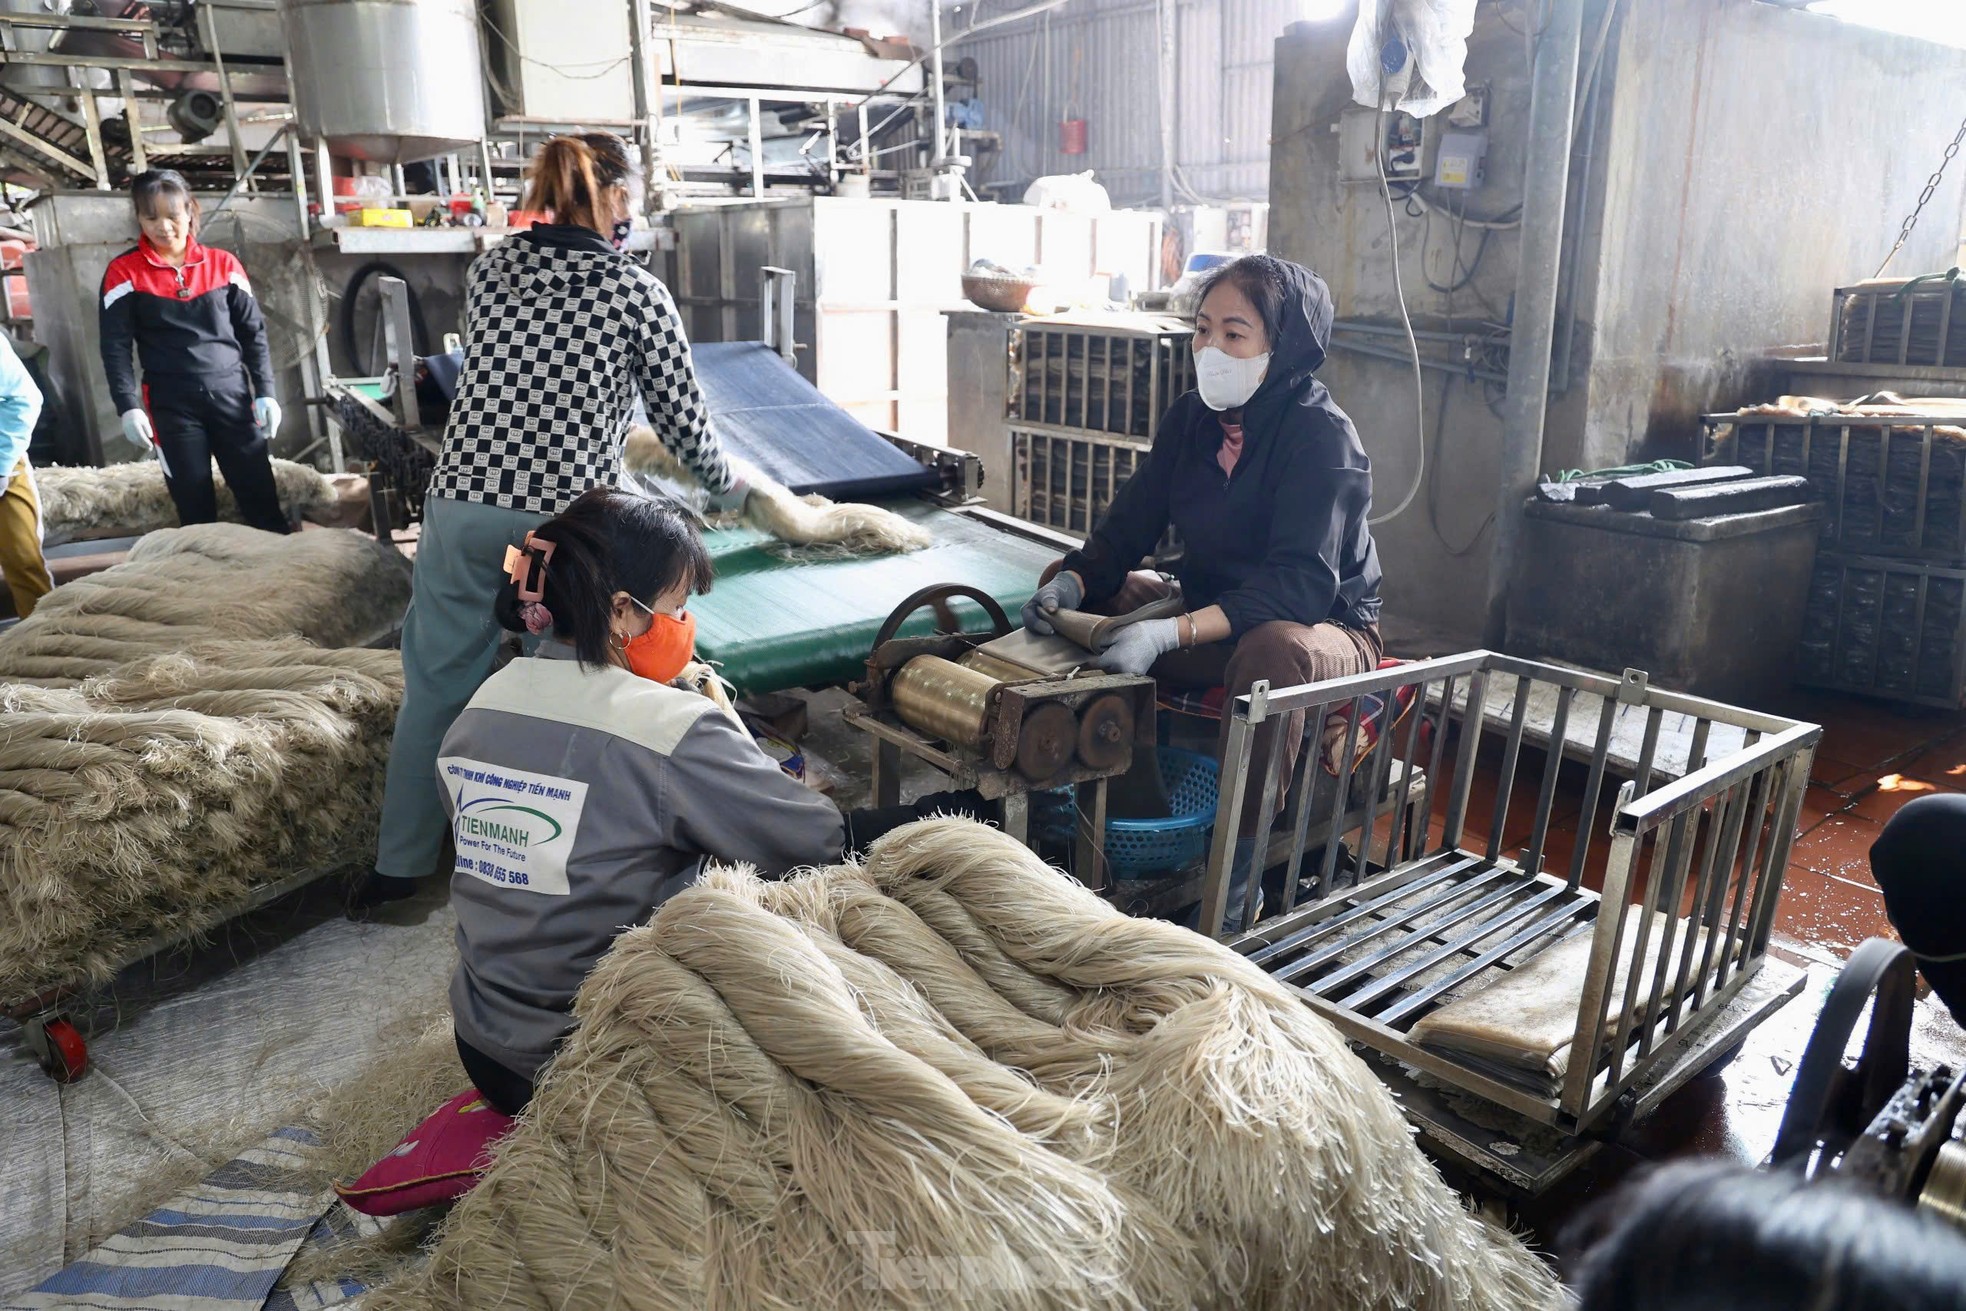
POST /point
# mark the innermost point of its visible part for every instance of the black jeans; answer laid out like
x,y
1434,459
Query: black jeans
x,y
201,419
507,1091
863,826
1919,862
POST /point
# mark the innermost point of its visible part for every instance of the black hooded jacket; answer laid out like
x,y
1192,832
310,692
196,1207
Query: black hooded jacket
x,y
1284,537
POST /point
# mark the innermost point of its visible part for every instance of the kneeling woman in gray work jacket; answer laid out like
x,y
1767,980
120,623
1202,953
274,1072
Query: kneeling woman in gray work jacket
x,y
584,791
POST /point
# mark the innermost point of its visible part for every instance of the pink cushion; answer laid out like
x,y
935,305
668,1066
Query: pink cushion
x,y
1381,715
438,1161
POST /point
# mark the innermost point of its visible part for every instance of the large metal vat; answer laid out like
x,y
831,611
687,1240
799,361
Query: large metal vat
x,y
33,41
387,81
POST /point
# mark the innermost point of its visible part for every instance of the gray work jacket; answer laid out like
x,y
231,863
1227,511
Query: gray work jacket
x,y
580,800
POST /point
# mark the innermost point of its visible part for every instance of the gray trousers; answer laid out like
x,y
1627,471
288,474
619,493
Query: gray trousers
x,y
450,642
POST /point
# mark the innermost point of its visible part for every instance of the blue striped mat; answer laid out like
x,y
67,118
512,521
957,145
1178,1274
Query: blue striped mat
x,y
221,1246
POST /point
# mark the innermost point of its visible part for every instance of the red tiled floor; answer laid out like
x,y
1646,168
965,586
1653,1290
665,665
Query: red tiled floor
x,y
1830,914
1869,734
1883,796
1839,846
1819,802
1831,773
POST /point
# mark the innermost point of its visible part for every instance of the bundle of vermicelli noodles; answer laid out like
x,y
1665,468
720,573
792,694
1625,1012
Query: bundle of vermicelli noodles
x,y
169,743
84,503
952,1078
796,520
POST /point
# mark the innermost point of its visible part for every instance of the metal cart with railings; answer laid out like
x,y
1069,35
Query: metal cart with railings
x,y
1694,838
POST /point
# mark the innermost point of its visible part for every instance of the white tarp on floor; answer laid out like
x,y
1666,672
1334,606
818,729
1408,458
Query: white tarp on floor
x,y
198,1053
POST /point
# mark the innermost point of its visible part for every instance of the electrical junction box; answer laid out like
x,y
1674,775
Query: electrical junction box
x,y
1359,142
1458,163
1471,110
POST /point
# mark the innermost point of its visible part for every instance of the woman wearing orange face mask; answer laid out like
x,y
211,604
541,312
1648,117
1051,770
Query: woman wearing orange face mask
x,y
583,791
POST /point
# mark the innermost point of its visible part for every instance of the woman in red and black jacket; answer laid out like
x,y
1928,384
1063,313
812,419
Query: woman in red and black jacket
x,y
187,312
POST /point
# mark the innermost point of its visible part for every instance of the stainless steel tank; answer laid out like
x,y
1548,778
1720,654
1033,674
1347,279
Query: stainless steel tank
x,y
31,40
387,81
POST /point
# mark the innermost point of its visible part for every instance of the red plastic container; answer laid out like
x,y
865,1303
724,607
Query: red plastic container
x,y
14,280
1071,136
346,187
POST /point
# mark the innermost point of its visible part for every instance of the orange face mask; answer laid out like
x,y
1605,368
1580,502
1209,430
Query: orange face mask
x,y
660,654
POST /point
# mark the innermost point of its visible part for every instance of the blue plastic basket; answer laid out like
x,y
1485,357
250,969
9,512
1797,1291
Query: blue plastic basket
x,y
1142,848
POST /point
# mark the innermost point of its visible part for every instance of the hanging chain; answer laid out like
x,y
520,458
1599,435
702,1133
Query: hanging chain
x,y
1931,185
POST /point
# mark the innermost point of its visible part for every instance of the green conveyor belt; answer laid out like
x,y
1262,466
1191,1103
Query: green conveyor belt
x,y
773,623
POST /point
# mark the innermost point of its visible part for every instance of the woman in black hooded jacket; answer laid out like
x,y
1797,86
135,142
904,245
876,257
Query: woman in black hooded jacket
x,y
1263,478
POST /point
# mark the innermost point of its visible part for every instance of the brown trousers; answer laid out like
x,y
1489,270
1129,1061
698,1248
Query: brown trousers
x,y
20,540
1287,655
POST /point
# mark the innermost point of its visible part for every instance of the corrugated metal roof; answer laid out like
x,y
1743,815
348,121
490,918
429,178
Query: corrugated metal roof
x,y
1099,60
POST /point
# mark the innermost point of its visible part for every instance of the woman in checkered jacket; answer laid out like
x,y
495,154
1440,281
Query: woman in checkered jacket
x,y
562,331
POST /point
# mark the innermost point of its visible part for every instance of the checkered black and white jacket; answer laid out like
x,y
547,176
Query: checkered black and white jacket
x,y
561,330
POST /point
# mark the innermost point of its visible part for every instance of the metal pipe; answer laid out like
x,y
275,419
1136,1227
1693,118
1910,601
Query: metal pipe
x,y
757,154
1593,101
1561,383
935,73
1424,334
1164,21
1546,180
640,22
1444,366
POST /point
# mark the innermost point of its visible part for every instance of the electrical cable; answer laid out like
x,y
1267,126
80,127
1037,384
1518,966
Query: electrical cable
x,y
1497,224
1433,488
1460,275
1412,342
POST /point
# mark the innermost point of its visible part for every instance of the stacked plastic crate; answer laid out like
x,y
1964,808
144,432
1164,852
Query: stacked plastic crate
x,y
1087,394
1887,605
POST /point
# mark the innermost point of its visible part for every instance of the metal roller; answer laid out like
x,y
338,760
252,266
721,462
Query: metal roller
x,y
1944,1194
1045,740
942,698
1106,732
996,667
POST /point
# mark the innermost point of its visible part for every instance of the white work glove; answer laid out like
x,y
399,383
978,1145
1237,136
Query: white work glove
x,y
137,430
266,413
1063,592
730,499
1139,645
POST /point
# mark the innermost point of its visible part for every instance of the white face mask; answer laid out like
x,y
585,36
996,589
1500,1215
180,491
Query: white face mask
x,y
1225,382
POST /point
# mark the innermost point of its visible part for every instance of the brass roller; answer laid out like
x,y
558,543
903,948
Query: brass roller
x,y
1944,1194
942,698
996,667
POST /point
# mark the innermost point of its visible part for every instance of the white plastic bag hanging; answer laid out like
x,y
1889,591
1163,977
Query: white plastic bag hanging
x,y
1425,41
